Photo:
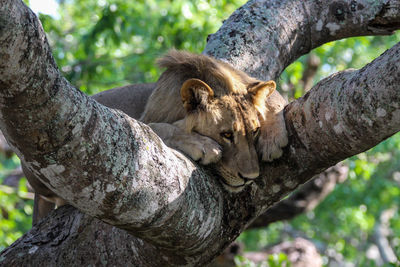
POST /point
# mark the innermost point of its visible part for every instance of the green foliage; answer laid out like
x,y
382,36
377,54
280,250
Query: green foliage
x,y
337,56
118,42
278,260
15,210
258,239
275,260
243,262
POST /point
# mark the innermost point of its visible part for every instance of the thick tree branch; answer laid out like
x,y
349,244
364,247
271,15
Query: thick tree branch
x,y
102,161
263,37
113,167
73,232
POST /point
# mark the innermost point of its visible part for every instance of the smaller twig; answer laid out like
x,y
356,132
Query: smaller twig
x,y
310,71
380,237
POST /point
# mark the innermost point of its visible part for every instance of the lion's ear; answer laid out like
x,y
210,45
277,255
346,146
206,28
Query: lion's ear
x,y
195,94
259,92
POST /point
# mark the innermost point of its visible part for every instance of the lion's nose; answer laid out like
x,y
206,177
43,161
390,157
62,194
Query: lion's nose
x,y
250,175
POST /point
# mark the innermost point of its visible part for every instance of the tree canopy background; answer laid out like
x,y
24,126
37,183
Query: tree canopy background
x,y
103,44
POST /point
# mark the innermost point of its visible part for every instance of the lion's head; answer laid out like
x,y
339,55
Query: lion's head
x,y
233,120
219,102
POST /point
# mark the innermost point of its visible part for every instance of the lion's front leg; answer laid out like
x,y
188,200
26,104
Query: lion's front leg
x,y
198,147
273,134
273,137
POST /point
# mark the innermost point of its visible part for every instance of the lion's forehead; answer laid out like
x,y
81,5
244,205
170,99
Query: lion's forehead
x,y
241,112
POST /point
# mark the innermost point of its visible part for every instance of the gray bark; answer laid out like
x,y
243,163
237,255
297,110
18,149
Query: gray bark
x,y
114,168
263,37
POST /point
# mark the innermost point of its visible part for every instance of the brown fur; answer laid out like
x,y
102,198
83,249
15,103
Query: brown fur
x,y
198,97
181,66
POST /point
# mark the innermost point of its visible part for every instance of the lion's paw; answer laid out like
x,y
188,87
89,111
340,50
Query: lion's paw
x,y
198,147
273,137
202,149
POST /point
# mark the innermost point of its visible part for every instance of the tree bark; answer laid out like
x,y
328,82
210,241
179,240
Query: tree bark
x,y
263,37
114,168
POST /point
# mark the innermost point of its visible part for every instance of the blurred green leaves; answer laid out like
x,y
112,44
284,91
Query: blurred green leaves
x,y
15,208
103,44
337,56
275,260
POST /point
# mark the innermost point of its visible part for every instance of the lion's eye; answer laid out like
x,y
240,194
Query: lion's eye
x,y
227,135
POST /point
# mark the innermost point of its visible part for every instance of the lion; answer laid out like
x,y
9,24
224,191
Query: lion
x,y
215,113
205,108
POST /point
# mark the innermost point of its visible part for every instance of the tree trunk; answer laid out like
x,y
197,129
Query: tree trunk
x,y
114,168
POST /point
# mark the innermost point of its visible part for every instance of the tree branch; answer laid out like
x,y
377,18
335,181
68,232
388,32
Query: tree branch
x,y
310,71
73,232
102,161
380,237
114,168
265,36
